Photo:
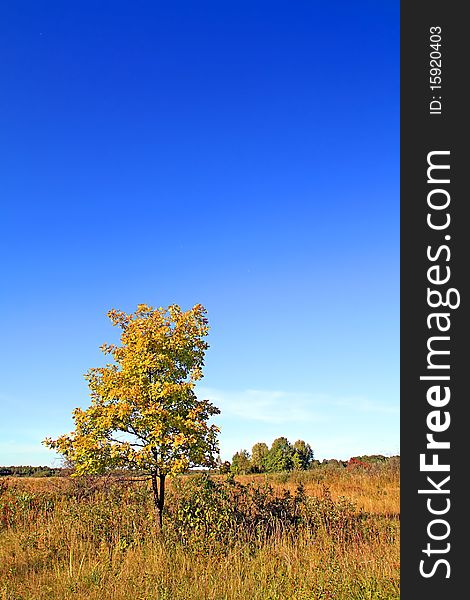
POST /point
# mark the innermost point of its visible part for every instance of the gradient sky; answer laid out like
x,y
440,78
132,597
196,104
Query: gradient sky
x,y
240,154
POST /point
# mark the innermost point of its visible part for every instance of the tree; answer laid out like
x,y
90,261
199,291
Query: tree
x,y
241,463
280,456
259,454
303,455
144,413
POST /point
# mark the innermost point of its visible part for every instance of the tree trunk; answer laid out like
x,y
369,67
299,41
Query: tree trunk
x,y
159,496
162,500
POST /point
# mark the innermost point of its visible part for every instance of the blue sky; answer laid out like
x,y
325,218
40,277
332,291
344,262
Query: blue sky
x,y
244,155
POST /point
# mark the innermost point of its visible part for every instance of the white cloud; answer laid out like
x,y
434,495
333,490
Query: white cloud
x,y
269,406
276,406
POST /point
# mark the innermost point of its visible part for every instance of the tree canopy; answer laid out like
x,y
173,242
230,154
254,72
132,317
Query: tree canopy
x,y
259,454
280,455
303,455
241,464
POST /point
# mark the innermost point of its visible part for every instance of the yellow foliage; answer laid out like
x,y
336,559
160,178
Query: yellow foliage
x,y
144,413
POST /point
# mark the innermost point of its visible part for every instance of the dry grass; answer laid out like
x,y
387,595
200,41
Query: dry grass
x,y
300,570
57,545
375,491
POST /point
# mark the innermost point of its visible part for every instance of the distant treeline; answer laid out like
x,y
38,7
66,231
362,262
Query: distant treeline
x,y
285,456
28,471
282,456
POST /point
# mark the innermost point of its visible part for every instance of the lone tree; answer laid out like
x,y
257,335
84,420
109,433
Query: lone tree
x,y
144,413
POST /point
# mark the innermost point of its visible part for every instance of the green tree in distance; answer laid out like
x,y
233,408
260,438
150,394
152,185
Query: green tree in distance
x,y
303,455
280,457
241,463
259,454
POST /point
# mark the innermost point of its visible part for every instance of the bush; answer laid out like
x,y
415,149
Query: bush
x,y
212,514
203,511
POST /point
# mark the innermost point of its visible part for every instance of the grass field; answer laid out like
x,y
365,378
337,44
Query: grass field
x,y
334,538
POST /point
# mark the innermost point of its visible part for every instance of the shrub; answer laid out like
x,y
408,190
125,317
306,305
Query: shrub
x,y
204,511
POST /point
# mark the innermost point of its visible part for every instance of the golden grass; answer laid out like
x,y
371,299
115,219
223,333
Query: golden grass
x,y
287,570
376,491
69,552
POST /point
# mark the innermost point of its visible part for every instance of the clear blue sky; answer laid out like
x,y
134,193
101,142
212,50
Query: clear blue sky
x,y
240,154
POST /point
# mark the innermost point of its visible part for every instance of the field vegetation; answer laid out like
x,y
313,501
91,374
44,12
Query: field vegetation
x,y
327,533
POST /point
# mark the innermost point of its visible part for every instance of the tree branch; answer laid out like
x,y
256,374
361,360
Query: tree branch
x,y
134,432
124,442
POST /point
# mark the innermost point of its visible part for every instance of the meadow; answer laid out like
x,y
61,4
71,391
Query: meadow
x,y
330,533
